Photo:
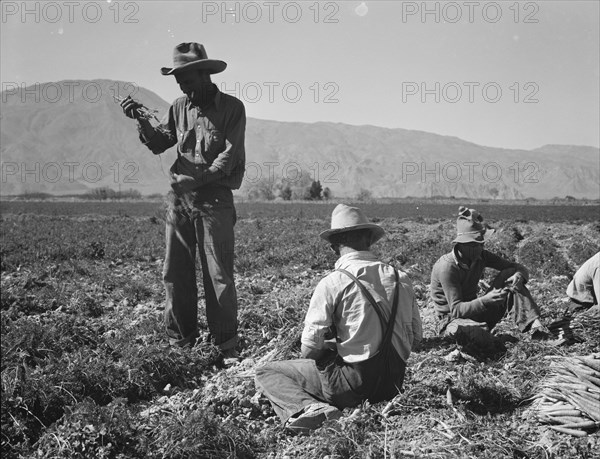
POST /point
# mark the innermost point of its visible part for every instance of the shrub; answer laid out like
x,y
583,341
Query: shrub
x,y
581,251
541,256
95,250
364,195
198,434
314,191
504,242
87,430
52,363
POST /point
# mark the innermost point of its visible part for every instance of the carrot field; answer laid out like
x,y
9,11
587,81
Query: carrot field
x,y
87,373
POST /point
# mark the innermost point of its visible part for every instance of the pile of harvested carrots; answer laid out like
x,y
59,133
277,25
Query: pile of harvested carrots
x,y
570,397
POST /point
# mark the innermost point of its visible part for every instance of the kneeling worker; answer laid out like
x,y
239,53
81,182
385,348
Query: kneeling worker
x,y
455,279
369,309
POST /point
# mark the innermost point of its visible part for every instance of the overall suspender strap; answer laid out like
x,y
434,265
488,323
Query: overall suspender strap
x,y
387,331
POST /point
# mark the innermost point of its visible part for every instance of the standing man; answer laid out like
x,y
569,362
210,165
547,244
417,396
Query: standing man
x,y
361,325
208,127
455,280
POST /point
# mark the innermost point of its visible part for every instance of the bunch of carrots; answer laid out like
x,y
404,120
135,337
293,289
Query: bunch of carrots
x,y
570,398
145,112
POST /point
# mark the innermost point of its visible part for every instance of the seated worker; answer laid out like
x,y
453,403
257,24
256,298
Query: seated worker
x,y
369,309
584,289
455,279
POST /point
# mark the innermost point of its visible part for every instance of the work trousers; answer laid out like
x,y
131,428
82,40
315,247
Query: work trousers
x,y
201,220
291,385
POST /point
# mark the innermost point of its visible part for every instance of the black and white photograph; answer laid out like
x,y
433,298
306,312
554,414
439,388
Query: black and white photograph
x,y
300,229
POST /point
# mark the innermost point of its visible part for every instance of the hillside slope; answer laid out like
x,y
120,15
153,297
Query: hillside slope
x,y
71,136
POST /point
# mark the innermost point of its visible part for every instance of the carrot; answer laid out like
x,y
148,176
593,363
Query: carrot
x,y
590,378
584,384
594,364
449,400
574,432
563,413
557,406
573,386
566,419
580,368
594,399
590,407
580,425
556,397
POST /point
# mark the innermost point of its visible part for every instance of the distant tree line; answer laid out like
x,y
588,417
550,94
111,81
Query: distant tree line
x,y
105,193
286,192
302,186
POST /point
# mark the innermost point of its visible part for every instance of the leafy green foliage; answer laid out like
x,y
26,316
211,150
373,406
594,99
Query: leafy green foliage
x,y
86,370
543,255
89,430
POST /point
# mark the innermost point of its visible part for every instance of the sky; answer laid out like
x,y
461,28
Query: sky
x,y
505,74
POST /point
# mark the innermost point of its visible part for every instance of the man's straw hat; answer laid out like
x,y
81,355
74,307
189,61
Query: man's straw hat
x,y
188,56
345,218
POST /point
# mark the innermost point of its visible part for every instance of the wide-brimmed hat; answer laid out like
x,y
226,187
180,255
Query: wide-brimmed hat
x,y
345,218
470,227
187,56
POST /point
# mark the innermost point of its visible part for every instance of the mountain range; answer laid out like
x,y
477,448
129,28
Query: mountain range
x,y
71,137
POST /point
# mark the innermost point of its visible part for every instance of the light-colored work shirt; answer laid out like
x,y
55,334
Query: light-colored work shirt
x,y
585,286
338,301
